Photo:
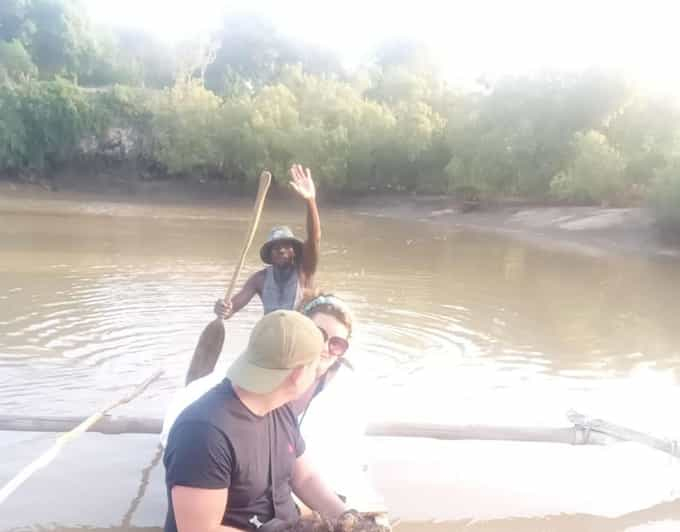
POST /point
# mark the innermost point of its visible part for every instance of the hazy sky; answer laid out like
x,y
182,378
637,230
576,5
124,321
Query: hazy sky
x,y
470,38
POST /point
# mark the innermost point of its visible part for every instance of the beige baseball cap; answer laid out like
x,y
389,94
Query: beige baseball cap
x,y
280,342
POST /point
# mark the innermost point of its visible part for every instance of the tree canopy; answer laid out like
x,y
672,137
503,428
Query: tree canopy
x,y
249,96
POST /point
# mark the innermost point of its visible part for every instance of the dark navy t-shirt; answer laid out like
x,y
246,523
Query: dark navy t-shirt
x,y
217,443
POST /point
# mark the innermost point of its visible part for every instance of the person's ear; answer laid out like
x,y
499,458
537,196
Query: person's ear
x,y
295,376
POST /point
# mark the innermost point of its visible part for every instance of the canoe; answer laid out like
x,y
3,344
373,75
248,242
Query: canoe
x,y
458,473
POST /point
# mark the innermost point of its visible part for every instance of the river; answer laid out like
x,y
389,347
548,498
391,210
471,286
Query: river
x,y
452,327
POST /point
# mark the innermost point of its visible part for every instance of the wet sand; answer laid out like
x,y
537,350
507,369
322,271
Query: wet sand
x,y
593,231
587,230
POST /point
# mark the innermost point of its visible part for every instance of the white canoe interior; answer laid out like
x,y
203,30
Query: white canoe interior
x,y
101,480
422,479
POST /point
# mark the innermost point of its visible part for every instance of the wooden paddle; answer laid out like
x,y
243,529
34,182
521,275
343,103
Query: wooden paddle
x,y
212,338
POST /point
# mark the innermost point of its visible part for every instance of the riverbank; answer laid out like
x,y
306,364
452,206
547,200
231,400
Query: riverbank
x,y
589,230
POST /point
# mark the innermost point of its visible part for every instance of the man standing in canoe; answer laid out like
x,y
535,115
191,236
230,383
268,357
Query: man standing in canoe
x,y
292,263
234,457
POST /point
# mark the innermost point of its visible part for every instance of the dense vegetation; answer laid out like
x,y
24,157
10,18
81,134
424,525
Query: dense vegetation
x,y
248,97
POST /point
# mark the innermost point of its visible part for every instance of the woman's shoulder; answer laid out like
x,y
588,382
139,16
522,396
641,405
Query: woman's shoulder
x,y
341,408
348,386
354,373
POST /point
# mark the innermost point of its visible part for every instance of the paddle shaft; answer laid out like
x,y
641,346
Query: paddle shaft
x,y
265,181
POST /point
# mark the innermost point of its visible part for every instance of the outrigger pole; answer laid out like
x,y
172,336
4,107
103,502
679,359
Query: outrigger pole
x,y
72,432
583,431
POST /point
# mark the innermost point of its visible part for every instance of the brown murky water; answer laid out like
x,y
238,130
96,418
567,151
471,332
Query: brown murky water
x,y
454,327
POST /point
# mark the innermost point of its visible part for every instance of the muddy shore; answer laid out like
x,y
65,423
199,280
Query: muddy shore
x,y
595,231
589,230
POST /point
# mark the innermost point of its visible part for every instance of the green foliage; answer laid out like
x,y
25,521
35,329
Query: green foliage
x,y
515,139
54,44
45,124
595,174
61,42
247,97
250,48
398,83
15,62
645,129
13,133
184,123
127,57
665,197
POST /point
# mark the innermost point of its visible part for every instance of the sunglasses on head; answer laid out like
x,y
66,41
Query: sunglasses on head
x,y
336,345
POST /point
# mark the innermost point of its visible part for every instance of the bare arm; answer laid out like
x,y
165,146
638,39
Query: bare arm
x,y
302,183
253,286
200,510
311,246
312,491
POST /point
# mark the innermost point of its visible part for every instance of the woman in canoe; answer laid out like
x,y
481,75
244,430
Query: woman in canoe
x,y
332,414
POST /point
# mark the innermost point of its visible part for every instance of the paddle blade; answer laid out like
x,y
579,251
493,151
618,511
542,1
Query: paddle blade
x,y
207,351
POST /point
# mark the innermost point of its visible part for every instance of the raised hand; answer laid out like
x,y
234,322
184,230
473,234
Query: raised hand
x,y
302,182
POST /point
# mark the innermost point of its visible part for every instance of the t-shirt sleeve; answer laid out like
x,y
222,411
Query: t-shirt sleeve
x,y
184,397
198,455
299,440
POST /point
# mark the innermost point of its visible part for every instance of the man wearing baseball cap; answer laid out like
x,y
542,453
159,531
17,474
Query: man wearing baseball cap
x,y
292,263
235,456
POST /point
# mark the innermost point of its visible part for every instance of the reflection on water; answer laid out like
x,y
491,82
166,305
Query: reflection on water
x,y
453,327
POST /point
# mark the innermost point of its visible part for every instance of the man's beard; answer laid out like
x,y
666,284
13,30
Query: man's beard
x,y
282,273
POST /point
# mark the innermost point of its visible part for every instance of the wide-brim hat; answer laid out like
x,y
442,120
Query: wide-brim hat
x,y
280,342
280,233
